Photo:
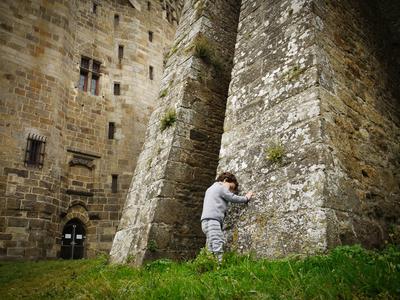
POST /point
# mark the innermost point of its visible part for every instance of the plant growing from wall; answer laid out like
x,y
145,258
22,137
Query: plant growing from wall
x,y
204,49
295,72
152,246
130,259
275,152
163,93
168,119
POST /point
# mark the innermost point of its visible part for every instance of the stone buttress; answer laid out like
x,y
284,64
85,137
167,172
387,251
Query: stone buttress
x,y
161,217
312,80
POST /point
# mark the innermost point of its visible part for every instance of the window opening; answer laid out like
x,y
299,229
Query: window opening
x,y
151,73
114,183
117,89
89,72
84,74
94,87
35,149
111,130
150,36
95,78
116,20
148,5
94,9
120,52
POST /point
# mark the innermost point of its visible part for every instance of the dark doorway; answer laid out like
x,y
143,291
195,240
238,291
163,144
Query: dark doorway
x,y
73,240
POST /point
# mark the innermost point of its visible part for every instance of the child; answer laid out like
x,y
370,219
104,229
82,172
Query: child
x,y
214,207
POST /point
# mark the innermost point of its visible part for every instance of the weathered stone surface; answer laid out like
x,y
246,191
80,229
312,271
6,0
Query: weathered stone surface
x,y
318,93
320,78
41,46
302,78
162,211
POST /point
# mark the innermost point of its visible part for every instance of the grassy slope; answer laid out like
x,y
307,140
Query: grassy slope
x,y
346,273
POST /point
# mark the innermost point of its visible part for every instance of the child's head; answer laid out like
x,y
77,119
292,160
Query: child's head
x,y
230,179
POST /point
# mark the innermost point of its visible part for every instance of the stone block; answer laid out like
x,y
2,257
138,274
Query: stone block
x,y
17,222
16,252
36,224
5,236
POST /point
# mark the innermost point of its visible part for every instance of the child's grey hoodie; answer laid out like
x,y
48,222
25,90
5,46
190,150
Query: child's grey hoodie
x,y
216,202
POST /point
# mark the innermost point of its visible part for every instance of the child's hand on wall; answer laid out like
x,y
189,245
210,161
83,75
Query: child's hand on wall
x,y
249,195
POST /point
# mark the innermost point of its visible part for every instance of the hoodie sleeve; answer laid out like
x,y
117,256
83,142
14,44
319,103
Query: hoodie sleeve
x,y
231,197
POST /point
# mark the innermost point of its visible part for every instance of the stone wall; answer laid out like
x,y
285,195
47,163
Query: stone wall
x,y
361,113
274,105
42,46
311,126
314,77
161,217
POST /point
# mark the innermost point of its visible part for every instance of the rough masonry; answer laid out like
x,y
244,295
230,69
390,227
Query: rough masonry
x,y
316,83
93,133
163,207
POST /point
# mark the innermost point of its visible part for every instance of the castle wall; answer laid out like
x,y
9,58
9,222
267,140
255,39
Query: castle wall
x,y
274,105
315,77
32,100
361,109
311,126
161,217
42,46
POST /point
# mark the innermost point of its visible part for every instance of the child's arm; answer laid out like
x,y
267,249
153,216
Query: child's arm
x,y
231,197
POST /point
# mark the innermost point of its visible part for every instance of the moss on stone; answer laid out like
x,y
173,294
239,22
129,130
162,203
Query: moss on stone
x,y
295,72
163,93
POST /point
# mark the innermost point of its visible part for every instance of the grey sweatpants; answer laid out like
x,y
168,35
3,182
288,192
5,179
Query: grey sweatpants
x,y
215,237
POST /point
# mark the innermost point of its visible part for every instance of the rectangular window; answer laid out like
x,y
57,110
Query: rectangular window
x,y
151,73
83,81
85,63
94,87
114,183
117,89
35,149
111,130
150,36
170,12
96,67
89,73
94,8
148,5
116,20
120,52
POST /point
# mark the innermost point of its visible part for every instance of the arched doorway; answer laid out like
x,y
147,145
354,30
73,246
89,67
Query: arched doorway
x,y
73,240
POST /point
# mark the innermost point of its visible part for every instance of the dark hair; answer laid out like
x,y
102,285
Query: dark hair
x,y
228,177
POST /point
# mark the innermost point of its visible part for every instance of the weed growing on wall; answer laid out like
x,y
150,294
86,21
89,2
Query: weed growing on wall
x,y
204,49
163,93
152,246
295,72
275,152
168,119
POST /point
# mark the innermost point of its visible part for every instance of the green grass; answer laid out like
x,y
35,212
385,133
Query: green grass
x,y
345,273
